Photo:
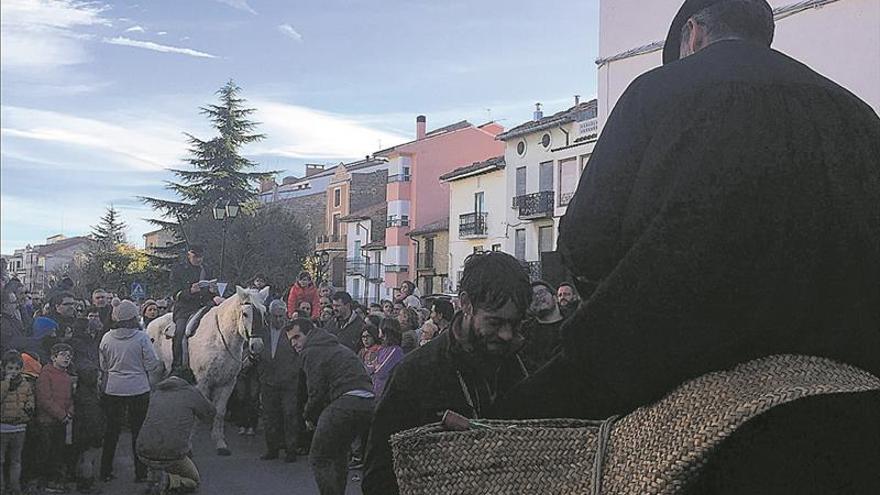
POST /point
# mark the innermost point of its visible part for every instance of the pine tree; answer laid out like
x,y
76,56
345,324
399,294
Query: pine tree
x,y
110,231
220,174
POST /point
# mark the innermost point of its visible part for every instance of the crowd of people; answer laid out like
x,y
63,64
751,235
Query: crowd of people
x,y
82,370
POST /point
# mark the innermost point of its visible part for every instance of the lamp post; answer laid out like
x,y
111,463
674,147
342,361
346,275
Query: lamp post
x,y
222,213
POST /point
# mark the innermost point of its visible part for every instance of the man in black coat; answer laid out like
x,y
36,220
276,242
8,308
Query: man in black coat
x,y
731,211
189,281
463,369
346,325
279,369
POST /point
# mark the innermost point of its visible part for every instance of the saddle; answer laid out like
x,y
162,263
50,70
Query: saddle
x,y
660,448
192,324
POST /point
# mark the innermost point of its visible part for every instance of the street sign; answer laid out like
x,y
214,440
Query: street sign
x,y
138,291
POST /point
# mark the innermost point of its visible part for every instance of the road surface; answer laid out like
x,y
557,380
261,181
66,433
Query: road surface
x,y
242,473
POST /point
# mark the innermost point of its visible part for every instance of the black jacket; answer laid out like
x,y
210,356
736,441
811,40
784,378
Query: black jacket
x,y
183,275
283,370
350,333
331,369
730,211
422,387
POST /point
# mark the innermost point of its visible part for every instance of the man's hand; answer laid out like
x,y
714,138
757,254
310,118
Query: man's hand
x,y
194,288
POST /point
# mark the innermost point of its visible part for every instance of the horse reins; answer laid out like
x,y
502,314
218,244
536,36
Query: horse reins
x,y
249,335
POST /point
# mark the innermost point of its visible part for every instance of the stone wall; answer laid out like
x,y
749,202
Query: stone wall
x,y
367,189
310,212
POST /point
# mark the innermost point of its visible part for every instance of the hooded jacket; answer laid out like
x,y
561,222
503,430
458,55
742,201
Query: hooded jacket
x,y
167,430
298,294
331,370
127,357
54,392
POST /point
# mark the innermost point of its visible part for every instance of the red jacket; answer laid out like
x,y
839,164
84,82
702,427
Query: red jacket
x,y
298,294
54,395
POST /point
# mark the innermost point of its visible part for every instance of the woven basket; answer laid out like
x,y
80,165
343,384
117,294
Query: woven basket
x,y
656,449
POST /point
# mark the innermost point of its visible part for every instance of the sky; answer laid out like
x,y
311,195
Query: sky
x,y
95,96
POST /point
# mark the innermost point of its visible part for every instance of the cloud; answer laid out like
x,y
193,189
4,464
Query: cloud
x,y
162,33
41,34
133,141
240,5
290,32
300,132
135,29
149,45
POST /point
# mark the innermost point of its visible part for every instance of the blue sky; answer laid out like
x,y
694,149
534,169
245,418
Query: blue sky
x,y
96,95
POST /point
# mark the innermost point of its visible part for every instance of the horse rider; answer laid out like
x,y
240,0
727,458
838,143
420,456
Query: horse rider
x,y
191,281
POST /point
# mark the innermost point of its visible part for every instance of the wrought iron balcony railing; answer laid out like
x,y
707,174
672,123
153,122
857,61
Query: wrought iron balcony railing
x,y
535,205
330,242
399,178
397,222
534,269
356,266
565,198
471,225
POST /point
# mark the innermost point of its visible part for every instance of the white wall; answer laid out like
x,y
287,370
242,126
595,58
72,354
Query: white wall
x,y
461,201
840,40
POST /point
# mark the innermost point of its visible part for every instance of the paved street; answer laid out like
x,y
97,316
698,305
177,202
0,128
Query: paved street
x,y
243,473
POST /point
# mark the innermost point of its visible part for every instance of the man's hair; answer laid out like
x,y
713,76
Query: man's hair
x,y
375,305
492,278
746,19
342,296
13,356
59,348
59,297
383,301
541,283
197,249
569,285
412,286
305,325
98,291
444,309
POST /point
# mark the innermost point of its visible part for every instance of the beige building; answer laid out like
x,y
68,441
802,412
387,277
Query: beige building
x,y
158,239
38,267
838,38
478,204
432,257
545,158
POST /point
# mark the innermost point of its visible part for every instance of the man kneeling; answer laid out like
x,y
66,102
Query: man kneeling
x,y
164,443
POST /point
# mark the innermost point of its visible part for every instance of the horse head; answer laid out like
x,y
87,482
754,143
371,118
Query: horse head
x,y
252,319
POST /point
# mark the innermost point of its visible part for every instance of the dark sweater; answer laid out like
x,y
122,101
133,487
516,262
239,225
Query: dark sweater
x,y
331,369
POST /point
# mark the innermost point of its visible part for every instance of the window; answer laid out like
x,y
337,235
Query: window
x,y
569,176
520,182
496,247
336,217
356,288
479,202
519,250
337,197
545,177
521,148
545,239
584,160
478,249
357,249
545,140
429,252
429,285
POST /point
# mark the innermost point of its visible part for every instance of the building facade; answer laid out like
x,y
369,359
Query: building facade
x,y
478,204
837,38
158,239
431,243
416,196
38,267
544,158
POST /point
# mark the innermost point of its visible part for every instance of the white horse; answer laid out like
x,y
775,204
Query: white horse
x,y
217,350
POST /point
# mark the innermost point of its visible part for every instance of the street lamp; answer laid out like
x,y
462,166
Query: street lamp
x,y
221,213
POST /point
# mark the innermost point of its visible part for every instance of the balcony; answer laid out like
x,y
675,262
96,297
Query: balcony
x,y
535,205
533,268
399,178
356,266
330,243
473,225
397,222
374,272
425,262
565,198
396,268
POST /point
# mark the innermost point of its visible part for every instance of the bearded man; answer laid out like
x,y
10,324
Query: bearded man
x,y
463,369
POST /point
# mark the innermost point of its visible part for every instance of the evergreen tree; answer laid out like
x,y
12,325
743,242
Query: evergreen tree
x,y
219,173
110,231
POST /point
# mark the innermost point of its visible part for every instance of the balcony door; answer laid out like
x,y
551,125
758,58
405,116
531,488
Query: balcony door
x,y
519,247
545,176
521,181
479,202
545,239
429,252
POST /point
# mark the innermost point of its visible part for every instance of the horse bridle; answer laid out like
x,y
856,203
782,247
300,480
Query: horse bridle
x,y
255,321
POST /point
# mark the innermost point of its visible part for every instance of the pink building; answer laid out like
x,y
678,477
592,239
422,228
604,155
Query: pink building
x,y
416,196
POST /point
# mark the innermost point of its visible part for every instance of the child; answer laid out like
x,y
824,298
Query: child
x,y
16,409
88,427
55,412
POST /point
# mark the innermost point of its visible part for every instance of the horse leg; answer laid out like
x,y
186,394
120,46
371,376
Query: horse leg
x,y
221,396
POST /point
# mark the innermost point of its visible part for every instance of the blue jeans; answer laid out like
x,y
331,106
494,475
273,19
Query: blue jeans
x,y
340,423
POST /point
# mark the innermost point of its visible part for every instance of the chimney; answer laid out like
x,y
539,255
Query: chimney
x,y
313,168
538,113
420,127
577,100
267,185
